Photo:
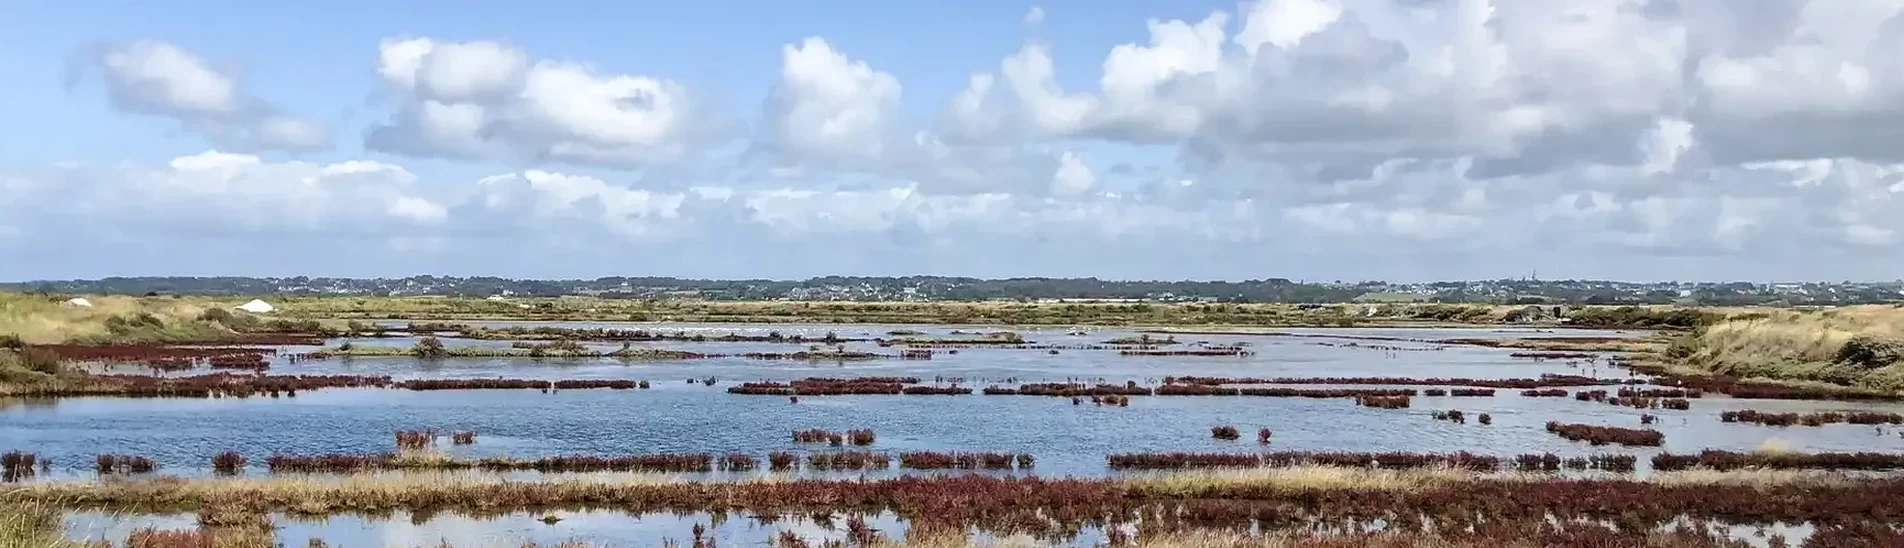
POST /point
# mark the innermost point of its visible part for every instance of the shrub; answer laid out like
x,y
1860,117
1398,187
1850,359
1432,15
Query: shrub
x,y
1224,432
430,347
1870,352
9,341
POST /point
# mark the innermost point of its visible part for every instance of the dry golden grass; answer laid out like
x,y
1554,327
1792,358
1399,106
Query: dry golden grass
x,y
1799,344
44,320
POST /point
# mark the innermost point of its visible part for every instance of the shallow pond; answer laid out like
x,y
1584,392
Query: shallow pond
x,y
679,416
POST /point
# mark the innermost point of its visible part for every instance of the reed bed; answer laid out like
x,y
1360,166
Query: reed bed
x,y
106,464
19,465
961,460
415,440
1602,435
1810,419
1729,460
1554,355
821,386
1285,459
1744,389
1383,402
1545,381
228,463
848,460
1224,432
1549,462
1212,351
335,463
1849,512
202,386
782,461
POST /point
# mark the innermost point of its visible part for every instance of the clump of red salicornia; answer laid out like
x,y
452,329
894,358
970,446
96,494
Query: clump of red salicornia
x,y
961,460
1742,389
463,438
781,461
1262,435
203,386
1661,393
1810,419
123,464
860,437
1485,419
1552,355
1647,419
812,435
1213,350
228,463
738,462
1382,402
343,462
1590,395
1549,462
1069,390
848,460
819,386
1729,460
1543,382
415,440
1545,393
18,465
1393,460
1225,432
1451,415
1602,435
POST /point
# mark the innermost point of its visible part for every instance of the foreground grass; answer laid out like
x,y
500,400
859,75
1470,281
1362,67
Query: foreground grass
x,y
1860,346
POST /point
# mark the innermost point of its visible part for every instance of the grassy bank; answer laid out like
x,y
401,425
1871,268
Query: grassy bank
x,y
1858,346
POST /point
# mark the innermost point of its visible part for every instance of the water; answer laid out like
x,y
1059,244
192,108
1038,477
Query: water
x,y
677,416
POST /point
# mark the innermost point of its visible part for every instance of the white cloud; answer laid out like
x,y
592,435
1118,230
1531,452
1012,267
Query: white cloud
x,y
1035,16
163,79
830,107
486,99
1072,177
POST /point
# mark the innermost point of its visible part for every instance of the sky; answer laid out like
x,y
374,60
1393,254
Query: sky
x,y
1401,140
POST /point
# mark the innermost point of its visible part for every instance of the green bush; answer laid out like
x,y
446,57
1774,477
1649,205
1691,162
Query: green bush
x,y
1870,352
430,347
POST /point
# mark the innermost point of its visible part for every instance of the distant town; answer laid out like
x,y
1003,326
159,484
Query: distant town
x,y
937,288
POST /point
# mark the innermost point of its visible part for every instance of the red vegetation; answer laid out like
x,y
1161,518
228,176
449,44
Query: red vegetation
x,y
1545,393
1661,393
1225,432
860,437
819,386
1728,460
848,460
781,461
1205,351
1382,402
738,462
123,464
1485,419
959,460
1160,461
1262,435
228,463
463,438
413,440
1553,355
660,462
1543,382
1810,419
1602,435
1451,415
1549,462
18,465
1738,388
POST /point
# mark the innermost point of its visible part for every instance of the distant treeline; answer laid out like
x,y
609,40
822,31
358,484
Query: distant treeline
x,y
1271,290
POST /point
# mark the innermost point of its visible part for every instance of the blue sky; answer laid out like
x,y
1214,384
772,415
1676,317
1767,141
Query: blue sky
x,y
1336,139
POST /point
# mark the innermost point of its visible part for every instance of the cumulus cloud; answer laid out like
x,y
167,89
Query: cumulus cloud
x,y
162,79
829,107
489,100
